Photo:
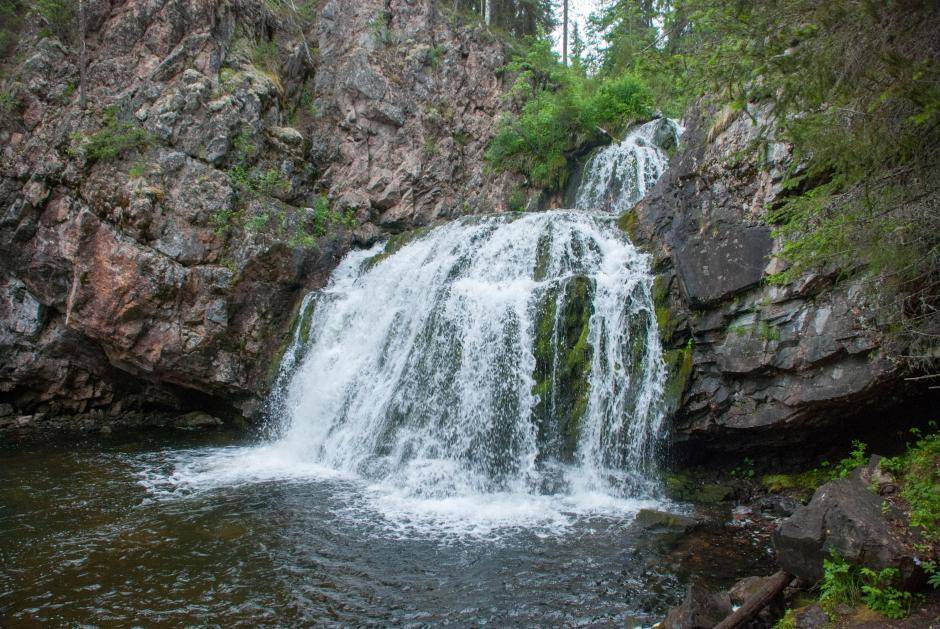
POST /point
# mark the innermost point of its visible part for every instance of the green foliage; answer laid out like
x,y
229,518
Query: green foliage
x,y
57,16
745,470
561,110
919,471
10,22
264,55
431,148
516,201
136,171
258,222
933,574
880,596
514,18
6,102
857,457
844,583
379,26
434,55
788,621
841,582
251,180
768,332
113,139
855,88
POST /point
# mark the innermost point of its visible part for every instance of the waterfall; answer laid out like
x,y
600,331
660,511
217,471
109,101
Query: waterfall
x,y
509,353
617,176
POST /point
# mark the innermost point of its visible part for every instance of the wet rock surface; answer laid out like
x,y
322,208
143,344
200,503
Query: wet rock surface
x,y
755,366
162,278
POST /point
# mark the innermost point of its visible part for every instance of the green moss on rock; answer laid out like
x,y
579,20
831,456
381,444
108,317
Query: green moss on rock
x,y
682,487
300,325
627,224
665,318
394,244
678,371
563,356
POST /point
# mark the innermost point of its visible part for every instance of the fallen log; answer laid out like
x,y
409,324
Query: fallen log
x,y
753,606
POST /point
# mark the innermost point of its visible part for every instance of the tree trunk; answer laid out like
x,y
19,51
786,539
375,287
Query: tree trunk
x,y
756,603
82,55
564,34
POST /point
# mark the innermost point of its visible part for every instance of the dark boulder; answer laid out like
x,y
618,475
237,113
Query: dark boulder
x,y
700,609
844,516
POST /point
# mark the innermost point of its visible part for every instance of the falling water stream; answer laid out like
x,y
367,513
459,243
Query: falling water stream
x,y
464,425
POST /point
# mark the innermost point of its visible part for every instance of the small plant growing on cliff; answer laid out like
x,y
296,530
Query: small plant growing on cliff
x,y
57,16
516,201
768,332
435,54
379,28
6,102
113,139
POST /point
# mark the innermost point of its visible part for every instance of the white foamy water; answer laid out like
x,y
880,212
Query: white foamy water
x,y
616,177
420,376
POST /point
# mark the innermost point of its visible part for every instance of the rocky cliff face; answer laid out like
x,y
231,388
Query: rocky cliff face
x,y
754,365
155,244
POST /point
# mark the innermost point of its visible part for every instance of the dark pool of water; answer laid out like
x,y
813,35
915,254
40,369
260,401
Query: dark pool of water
x,y
83,540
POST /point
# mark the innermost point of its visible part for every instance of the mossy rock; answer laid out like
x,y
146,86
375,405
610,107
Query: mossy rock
x,y
653,519
803,484
665,318
681,487
394,244
678,372
563,356
627,224
300,325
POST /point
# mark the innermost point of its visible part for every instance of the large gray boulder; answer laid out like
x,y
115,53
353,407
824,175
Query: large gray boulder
x,y
845,516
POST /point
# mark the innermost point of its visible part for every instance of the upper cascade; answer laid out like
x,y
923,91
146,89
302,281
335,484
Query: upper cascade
x,y
510,353
616,177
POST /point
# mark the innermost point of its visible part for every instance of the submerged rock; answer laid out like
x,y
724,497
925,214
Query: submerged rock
x,y
701,609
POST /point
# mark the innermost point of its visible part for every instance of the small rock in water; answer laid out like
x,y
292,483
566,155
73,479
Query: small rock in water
x,y
651,519
196,420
